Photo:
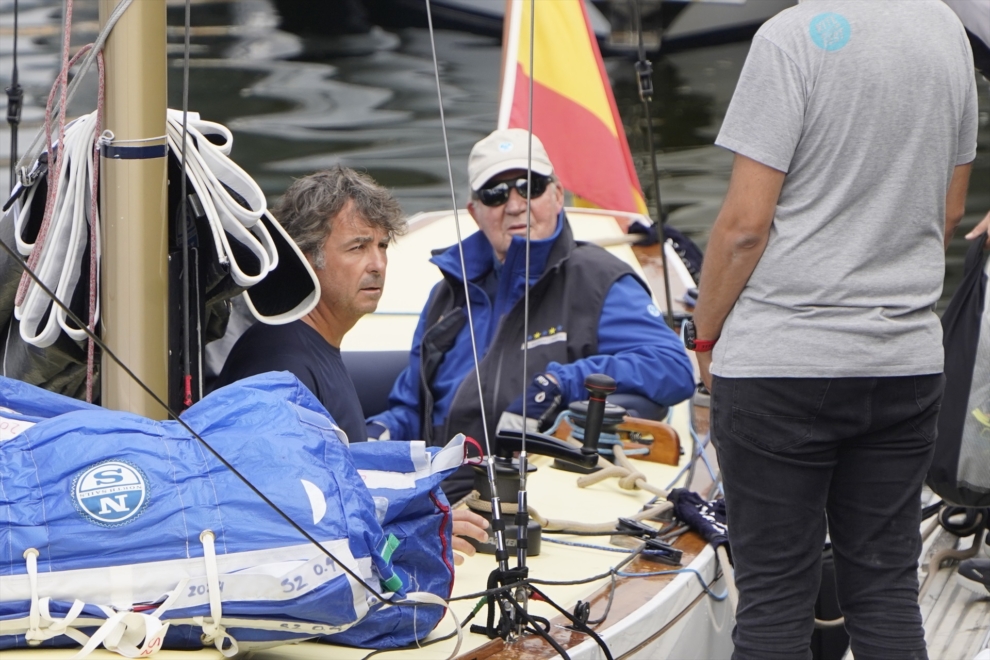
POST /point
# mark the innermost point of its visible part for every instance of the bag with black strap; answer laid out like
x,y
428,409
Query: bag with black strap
x,y
960,471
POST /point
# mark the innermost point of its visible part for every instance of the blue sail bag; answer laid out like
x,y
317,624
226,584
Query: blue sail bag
x,y
121,531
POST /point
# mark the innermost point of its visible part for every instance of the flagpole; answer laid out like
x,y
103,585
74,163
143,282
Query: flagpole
x,y
509,66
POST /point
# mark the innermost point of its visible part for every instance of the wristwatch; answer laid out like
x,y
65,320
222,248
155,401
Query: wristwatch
x,y
692,342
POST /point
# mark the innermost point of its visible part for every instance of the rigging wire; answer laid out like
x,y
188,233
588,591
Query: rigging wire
x,y
30,155
15,102
644,78
498,526
184,218
54,168
522,513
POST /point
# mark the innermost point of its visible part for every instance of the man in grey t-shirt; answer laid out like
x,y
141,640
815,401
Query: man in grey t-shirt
x,y
853,124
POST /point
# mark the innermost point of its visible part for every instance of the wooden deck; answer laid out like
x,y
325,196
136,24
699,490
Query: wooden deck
x,y
957,619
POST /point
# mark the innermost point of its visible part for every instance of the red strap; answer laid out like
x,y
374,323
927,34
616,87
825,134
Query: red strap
x,y
704,345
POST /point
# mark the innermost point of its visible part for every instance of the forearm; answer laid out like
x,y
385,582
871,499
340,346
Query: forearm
x,y
738,239
730,260
662,374
635,347
955,200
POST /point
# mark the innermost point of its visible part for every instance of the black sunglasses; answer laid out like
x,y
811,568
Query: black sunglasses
x,y
496,194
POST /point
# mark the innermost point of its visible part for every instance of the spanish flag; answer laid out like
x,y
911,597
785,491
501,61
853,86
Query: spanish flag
x,y
574,111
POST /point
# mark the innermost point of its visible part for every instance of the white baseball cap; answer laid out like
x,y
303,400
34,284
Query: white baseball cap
x,y
505,149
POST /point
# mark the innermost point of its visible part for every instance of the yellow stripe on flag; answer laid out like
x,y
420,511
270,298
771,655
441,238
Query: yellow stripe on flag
x,y
563,55
640,202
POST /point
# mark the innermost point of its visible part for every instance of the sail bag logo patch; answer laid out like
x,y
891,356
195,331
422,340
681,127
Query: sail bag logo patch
x,y
110,493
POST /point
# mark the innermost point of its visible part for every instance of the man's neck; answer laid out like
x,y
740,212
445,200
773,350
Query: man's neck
x,y
330,327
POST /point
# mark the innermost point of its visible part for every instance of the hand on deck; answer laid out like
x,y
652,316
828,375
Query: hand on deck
x,y
467,523
981,228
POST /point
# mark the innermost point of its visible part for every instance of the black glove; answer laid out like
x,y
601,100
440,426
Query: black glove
x,y
543,401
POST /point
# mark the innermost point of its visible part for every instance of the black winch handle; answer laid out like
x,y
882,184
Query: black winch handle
x,y
599,386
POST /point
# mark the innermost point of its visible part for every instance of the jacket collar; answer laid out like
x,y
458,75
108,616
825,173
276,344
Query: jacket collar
x,y
479,256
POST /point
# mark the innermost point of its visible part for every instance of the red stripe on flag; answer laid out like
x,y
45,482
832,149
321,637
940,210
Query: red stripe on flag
x,y
623,143
570,132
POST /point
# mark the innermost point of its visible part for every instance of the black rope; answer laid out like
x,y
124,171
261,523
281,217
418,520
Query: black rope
x,y
15,102
973,520
930,510
545,634
576,623
574,532
171,413
489,592
608,605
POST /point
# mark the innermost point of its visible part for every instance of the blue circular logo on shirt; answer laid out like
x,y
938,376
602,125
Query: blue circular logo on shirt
x,y
830,31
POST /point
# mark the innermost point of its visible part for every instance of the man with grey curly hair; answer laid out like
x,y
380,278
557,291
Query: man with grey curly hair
x,y
343,221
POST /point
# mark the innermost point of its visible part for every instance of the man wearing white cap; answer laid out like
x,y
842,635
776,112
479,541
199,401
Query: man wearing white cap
x,y
588,313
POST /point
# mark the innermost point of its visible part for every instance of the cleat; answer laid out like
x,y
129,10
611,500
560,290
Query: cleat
x,y
974,574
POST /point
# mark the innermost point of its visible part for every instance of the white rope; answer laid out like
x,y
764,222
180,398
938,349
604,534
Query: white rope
x,y
130,634
730,577
211,173
33,635
61,626
427,598
474,502
629,477
41,624
60,261
213,630
207,166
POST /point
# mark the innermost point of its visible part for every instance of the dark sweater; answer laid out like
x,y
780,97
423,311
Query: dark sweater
x,y
299,349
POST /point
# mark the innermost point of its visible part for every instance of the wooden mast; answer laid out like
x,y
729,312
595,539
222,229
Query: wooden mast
x,y
134,278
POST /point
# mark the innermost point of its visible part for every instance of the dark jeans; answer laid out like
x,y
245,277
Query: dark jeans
x,y
795,451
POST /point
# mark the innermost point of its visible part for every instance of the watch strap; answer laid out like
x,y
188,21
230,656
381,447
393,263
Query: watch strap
x,y
704,345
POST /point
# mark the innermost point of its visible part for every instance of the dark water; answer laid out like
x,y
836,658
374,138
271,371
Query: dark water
x,y
370,101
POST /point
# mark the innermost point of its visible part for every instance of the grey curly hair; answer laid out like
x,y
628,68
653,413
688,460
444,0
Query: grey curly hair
x,y
308,208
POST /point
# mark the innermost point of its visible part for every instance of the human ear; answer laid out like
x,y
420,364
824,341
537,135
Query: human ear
x,y
472,209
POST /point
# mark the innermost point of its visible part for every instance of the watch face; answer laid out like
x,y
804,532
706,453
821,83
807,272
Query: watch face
x,y
690,334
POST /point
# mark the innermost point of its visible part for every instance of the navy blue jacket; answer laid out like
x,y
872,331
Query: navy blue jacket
x,y
636,347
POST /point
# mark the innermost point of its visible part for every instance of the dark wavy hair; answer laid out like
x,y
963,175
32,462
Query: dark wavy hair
x,y
308,208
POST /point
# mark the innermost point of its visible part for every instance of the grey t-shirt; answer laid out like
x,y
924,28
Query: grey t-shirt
x,y
868,106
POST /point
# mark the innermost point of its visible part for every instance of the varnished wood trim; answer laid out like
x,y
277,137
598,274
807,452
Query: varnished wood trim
x,y
666,447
